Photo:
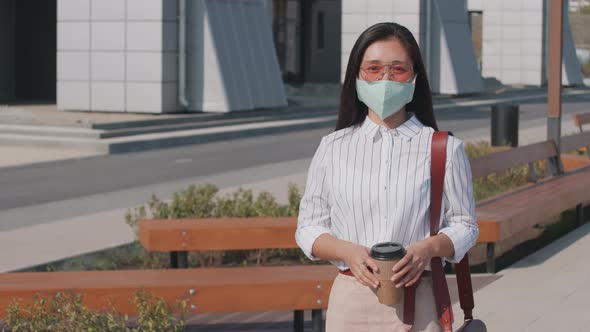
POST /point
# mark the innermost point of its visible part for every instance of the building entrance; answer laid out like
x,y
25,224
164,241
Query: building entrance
x,y
28,46
307,36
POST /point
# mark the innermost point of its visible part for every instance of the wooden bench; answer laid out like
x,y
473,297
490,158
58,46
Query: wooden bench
x,y
503,215
206,290
180,236
239,289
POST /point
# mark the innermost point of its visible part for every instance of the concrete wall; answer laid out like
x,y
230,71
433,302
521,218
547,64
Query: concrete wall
x,y
514,42
232,63
117,55
454,68
572,68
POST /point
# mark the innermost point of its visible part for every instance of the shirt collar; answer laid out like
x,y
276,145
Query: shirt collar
x,y
406,130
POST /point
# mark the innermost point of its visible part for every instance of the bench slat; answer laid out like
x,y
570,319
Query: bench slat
x,y
217,234
572,142
259,288
503,160
166,235
523,200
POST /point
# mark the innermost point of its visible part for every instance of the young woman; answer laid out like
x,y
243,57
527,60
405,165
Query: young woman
x,y
369,182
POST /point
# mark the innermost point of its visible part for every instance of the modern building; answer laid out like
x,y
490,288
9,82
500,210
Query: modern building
x,y
515,36
159,56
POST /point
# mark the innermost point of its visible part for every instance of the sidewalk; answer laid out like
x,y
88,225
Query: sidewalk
x,y
547,291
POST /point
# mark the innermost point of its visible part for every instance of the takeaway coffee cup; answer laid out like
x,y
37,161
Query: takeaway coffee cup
x,y
386,254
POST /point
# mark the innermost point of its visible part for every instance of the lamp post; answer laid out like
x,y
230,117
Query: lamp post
x,y
555,61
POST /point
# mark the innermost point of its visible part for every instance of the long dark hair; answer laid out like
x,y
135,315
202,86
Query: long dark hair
x,y
352,110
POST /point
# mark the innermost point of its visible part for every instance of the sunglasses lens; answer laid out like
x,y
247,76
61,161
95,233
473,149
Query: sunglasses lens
x,y
394,72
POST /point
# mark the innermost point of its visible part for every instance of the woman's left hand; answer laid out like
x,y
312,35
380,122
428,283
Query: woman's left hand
x,y
408,270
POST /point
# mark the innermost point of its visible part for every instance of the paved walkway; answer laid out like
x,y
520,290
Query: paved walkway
x,y
547,291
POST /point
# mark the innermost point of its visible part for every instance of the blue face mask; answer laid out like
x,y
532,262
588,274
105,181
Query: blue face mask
x,y
385,97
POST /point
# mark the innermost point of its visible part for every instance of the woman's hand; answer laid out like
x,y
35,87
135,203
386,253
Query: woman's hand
x,y
408,270
358,261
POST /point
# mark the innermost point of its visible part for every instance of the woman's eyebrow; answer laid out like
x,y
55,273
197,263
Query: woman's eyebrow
x,y
394,61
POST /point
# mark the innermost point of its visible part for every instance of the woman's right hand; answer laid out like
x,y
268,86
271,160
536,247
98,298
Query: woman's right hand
x,y
359,262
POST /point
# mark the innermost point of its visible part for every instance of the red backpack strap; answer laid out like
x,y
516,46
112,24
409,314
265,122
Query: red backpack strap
x,y
437,176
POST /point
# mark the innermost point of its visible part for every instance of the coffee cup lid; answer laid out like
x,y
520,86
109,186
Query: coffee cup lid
x,y
387,251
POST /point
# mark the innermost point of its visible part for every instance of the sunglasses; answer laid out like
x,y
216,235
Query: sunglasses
x,y
396,71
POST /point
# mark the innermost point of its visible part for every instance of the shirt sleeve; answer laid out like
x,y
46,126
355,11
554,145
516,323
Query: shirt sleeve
x,y
314,208
459,222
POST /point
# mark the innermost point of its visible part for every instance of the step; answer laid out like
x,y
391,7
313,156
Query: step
x,y
176,138
204,135
184,118
161,127
54,136
87,144
49,131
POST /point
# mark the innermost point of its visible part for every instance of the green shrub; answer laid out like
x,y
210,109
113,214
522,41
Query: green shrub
x,y
67,312
203,202
477,149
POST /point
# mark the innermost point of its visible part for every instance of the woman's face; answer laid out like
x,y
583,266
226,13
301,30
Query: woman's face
x,y
386,60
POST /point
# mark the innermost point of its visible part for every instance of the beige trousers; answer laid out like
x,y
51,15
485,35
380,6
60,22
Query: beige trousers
x,y
354,307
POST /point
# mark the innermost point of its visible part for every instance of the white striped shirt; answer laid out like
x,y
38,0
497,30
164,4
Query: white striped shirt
x,y
368,184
